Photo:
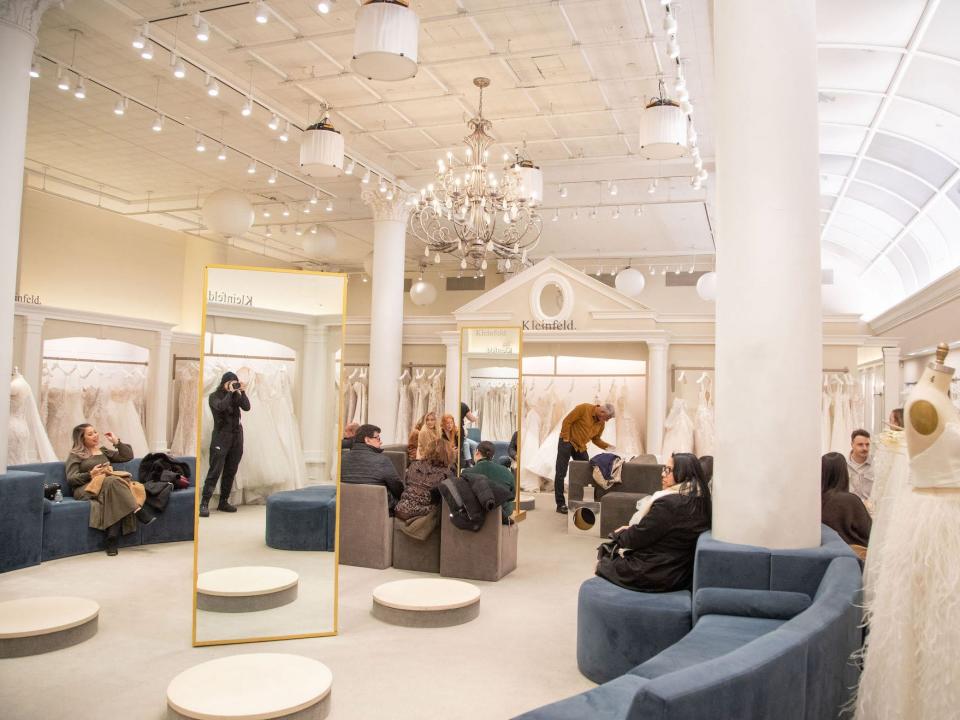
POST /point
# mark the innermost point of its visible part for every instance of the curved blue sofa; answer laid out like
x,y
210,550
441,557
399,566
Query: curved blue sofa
x,y
772,634
37,529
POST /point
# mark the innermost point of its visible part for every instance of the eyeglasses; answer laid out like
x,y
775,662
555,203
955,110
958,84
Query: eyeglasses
x,y
666,470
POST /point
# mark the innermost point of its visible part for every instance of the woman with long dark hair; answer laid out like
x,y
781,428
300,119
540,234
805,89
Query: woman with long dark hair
x,y
840,509
658,551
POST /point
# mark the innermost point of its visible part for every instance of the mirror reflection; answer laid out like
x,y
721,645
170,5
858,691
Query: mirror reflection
x,y
265,551
490,397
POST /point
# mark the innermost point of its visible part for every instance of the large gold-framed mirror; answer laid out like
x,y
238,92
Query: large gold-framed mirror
x,y
490,390
268,439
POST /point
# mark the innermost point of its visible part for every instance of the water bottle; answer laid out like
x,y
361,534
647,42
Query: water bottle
x,y
58,497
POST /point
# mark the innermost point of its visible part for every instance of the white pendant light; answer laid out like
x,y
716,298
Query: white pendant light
x,y
262,14
228,213
34,70
663,130
321,150
148,50
120,108
385,40
247,108
323,7
531,181
222,154
157,123
63,79
179,69
422,292
707,286
320,242
80,91
200,145
203,28
213,86
630,282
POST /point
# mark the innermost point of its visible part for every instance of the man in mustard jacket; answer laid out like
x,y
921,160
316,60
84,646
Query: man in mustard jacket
x,y
582,425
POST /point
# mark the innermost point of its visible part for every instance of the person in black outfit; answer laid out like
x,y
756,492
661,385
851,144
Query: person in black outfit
x,y
366,464
659,550
226,444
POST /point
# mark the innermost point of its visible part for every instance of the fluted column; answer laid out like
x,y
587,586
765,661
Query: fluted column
x,y
19,22
656,394
158,401
892,382
769,351
451,401
386,311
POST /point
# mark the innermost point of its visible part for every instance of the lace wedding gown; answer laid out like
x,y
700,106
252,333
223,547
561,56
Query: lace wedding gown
x,y
910,669
27,440
704,433
185,434
678,437
64,412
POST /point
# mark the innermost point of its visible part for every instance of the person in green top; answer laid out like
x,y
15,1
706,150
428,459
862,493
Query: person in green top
x,y
494,472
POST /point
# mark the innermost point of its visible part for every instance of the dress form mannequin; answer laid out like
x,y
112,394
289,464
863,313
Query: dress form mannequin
x,y
910,672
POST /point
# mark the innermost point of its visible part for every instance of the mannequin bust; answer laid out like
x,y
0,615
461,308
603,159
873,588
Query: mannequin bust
x,y
929,409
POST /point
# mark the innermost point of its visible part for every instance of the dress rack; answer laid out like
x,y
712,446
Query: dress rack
x,y
836,370
89,360
589,376
674,369
185,358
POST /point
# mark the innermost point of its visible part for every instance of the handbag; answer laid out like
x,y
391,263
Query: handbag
x,y
609,549
50,490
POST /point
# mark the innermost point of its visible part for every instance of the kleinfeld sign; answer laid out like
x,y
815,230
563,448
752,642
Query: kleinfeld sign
x,y
548,325
226,298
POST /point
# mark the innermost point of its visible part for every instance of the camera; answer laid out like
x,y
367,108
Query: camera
x,y
234,386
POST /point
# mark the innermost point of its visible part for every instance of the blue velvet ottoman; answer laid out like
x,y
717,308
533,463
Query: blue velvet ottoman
x,y
617,629
304,519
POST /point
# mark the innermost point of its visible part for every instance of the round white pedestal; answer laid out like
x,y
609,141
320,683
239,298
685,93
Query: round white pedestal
x,y
428,602
528,501
246,588
254,686
31,626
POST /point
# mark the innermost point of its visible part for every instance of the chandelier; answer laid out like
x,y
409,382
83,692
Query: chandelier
x,y
471,210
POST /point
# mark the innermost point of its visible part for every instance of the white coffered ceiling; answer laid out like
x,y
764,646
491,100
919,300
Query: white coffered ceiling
x,y
569,78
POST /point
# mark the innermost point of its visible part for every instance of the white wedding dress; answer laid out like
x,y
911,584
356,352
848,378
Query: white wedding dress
x,y
704,432
628,443
185,434
678,437
27,440
910,667
64,411
891,474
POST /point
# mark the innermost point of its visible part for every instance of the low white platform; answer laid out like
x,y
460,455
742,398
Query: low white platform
x,y
426,602
35,625
528,501
246,588
252,686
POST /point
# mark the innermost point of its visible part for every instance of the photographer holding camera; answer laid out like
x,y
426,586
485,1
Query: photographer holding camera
x,y
226,444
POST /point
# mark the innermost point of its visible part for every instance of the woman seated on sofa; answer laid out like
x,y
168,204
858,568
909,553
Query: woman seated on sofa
x,y
420,495
115,500
428,433
658,551
840,509
449,431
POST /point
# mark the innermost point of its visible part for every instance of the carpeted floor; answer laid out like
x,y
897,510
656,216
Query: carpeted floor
x,y
519,654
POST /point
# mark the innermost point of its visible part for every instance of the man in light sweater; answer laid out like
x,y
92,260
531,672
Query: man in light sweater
x,y
584,424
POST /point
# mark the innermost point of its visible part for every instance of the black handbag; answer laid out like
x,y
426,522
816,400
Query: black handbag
x,y
50,490
609,549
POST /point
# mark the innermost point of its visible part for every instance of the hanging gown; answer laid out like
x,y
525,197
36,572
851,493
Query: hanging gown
x,y
825,423
704,433
27,440
628,441
123,419
404,425
678,435
185,434
910,670
359,389
64,411
842,420
529,444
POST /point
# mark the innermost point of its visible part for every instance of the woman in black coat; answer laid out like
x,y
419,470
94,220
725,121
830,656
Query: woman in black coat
x,y
659,550
840,509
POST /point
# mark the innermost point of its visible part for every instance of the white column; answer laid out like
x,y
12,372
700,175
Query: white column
x,y
656,394
315,407
386,310
19,22
158,398
892,382
769,319
32,352
451,399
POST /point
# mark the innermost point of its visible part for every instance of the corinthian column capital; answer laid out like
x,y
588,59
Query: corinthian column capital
x,y
24,14
384,209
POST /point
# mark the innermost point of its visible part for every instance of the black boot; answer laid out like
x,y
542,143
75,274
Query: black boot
x,y
225,506
205,508
113,539
145,515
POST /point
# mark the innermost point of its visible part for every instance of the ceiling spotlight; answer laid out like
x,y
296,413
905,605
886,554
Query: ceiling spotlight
x,y
269,231
273,177
556,215
63,79
366,178
285,134
616,214
121,107
613,188
313,230
350,168
593,214
203,28
200,145
383,186
247,108
364,278
252,167
698,164
329,207
263,14
299,231
677,271
653,271
286,211
147,52
323,8
670,24
179,69
266,212
306,209
315,198
690,271
652,187
34,70
213,86
576,214
390,193
222,154
80,92
274,123
157,123
563,191
639,211
140,39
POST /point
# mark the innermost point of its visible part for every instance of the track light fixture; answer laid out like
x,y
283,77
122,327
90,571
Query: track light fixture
x,y
652,188
323,8
366,178
612,187
34,70
213,86
121,107
252,168
315,198
329,207
274,123
673,48
148,50
639,211
286,211
262,15
616,214
576,214
140,39
306,209
556,216
202,27
63,79
222,153
247,109
80,91
350,168
273,177
157,123
285,133
200,145
563,191
179,68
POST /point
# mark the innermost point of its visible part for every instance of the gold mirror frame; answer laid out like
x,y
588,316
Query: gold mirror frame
x,y
199,483
464,331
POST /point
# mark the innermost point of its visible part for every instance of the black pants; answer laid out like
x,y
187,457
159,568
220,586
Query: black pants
x,y
565,453
226,449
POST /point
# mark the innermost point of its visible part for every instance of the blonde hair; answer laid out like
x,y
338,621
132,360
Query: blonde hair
x,y
439,452
80,448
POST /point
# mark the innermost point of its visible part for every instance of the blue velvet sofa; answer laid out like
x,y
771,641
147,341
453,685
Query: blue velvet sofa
x,y
771,634
36,529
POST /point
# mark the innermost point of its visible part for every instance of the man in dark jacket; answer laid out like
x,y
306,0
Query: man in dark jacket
x,y
495,473
366,464
226,443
